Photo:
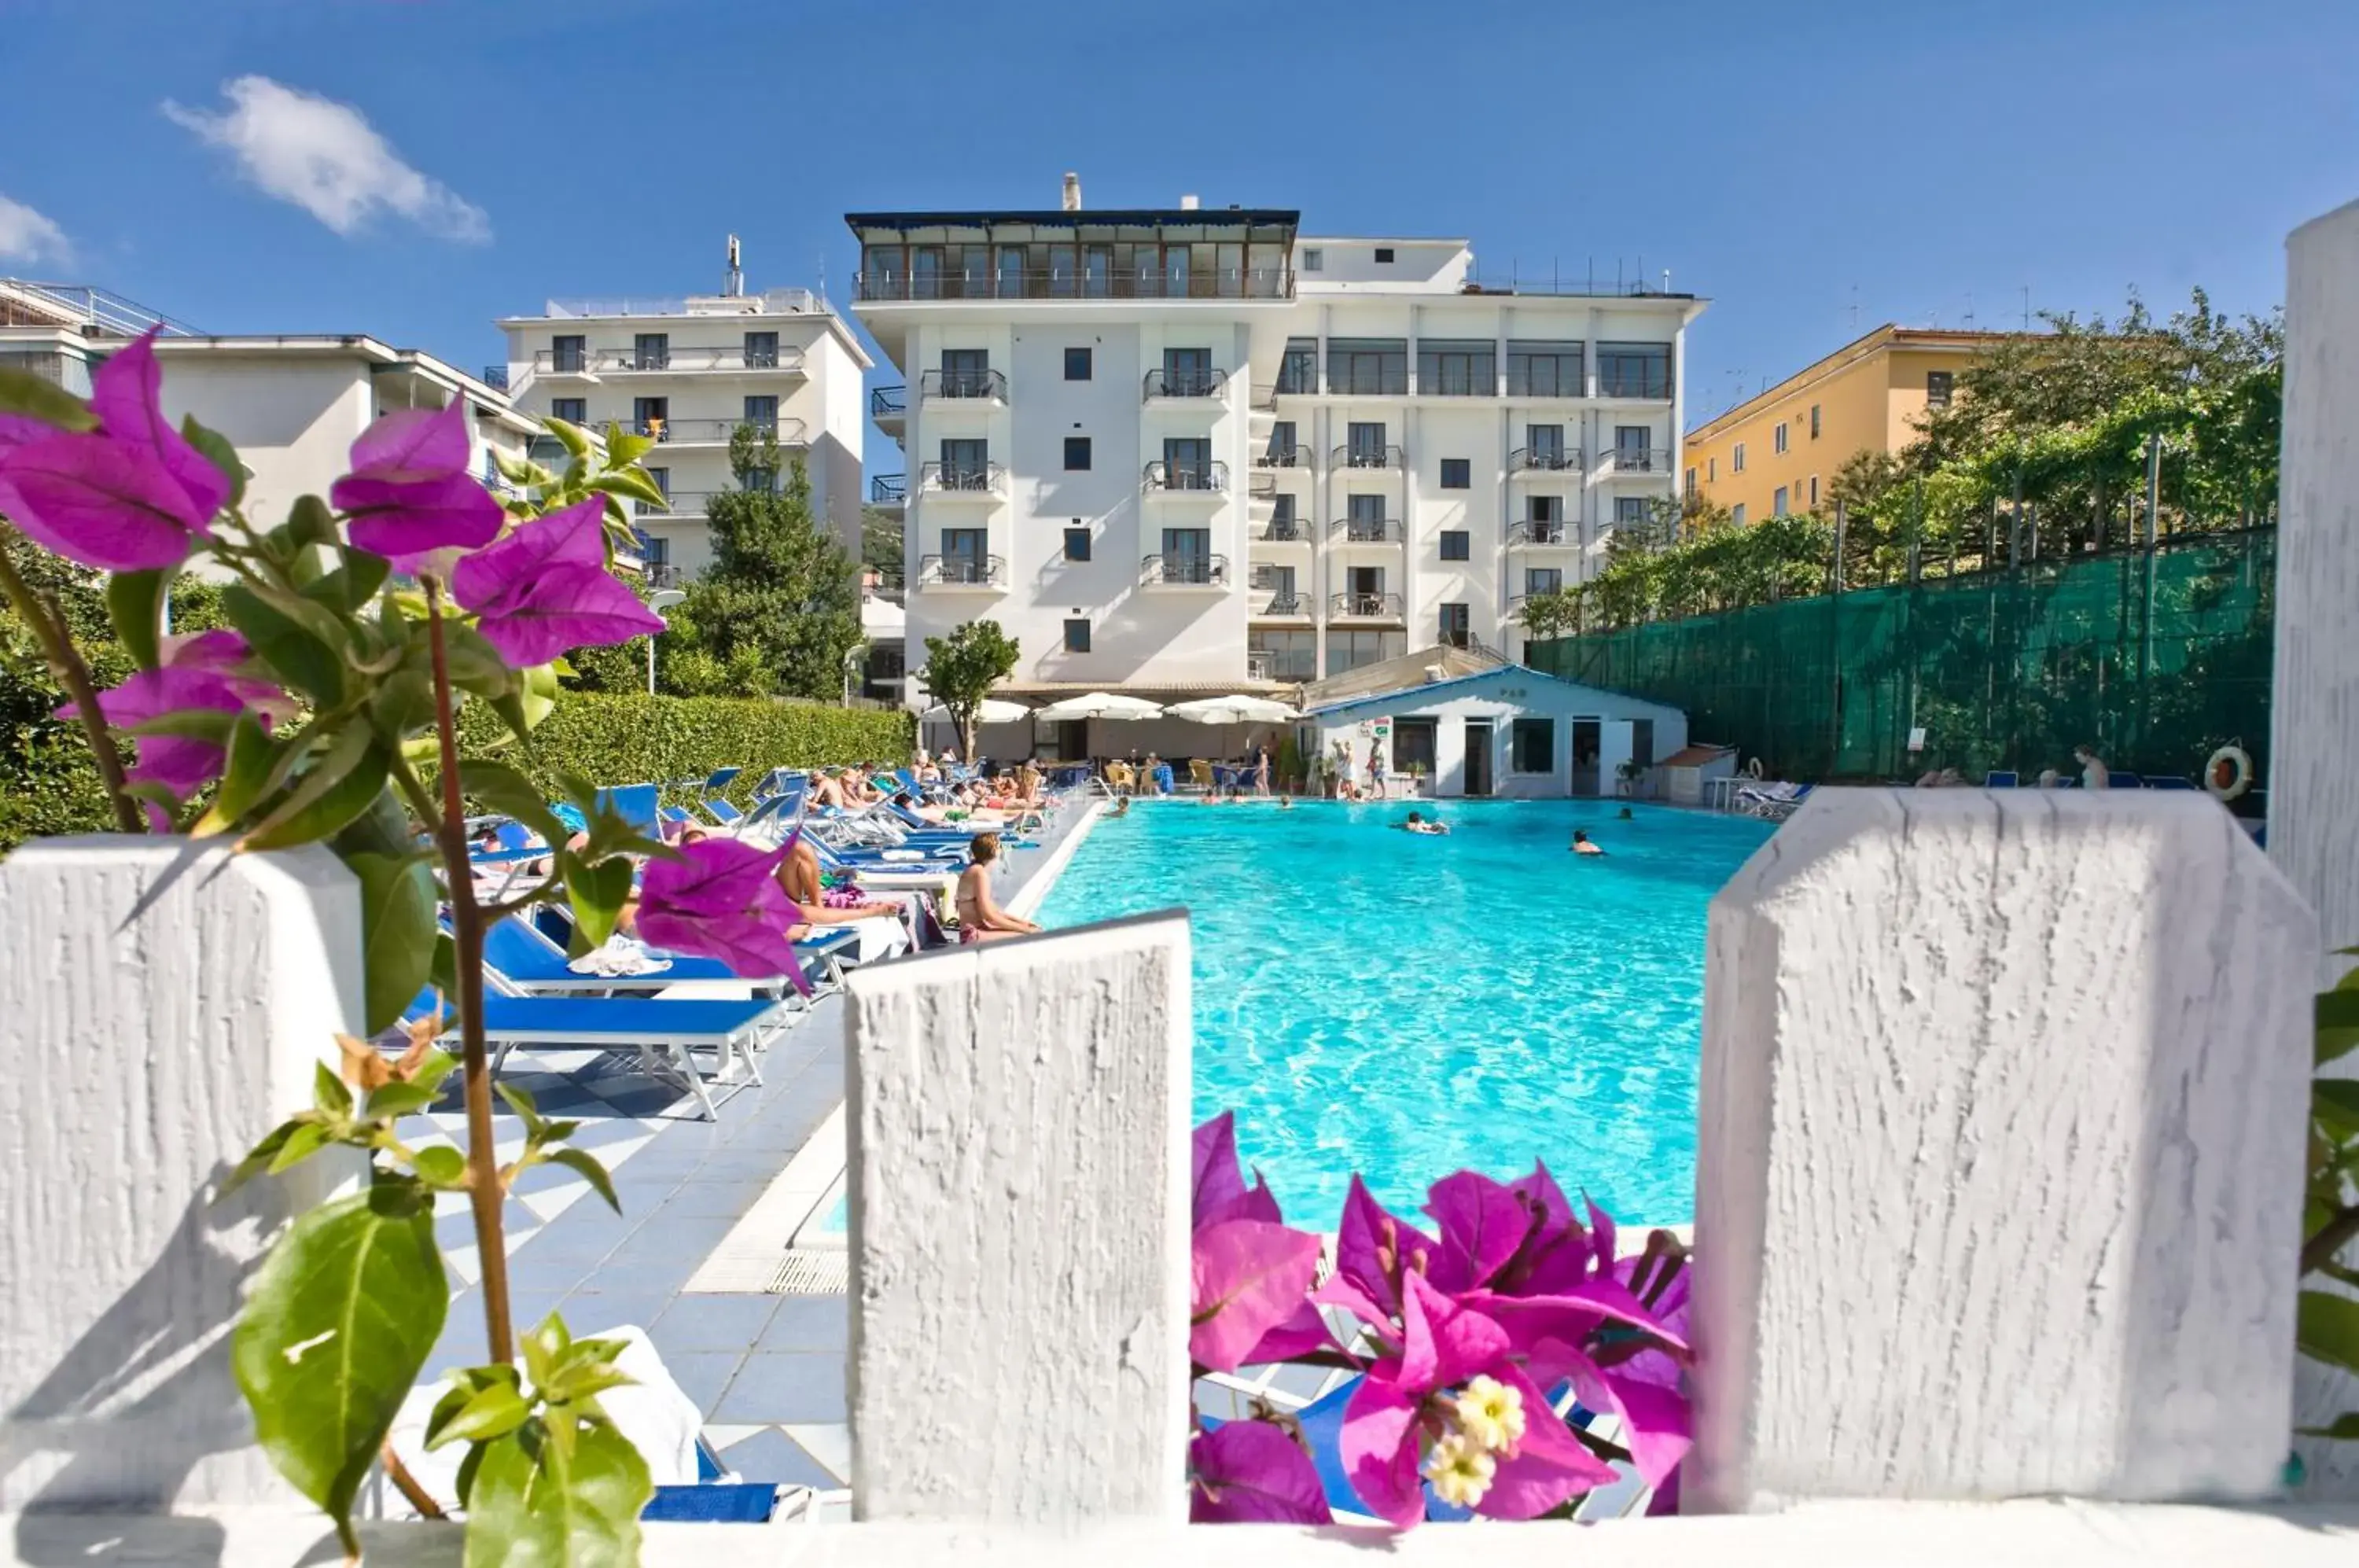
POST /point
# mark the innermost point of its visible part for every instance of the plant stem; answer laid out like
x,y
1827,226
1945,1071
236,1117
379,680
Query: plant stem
x,y
407,1485
65,664
486,1193
2322,1248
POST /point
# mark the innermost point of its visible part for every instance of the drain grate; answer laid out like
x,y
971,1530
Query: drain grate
x,y
815,1272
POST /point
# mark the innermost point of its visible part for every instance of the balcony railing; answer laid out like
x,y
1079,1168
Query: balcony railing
x,y
1170,383
982,385
496,376
1544,459
886,489
1184,570
986,479
681,357
962,571
1283,530
1068,283
888,400
1365,530
663,574
1353,455
1201,477
1633,384
561,361
1640,460
1364,608
1541,531
1287,457
713,432
679,504
1268,664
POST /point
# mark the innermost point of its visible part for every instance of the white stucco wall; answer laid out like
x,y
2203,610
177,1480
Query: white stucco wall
x,y
1498,701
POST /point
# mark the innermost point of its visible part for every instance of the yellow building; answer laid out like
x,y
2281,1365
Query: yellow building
x,y
1779,452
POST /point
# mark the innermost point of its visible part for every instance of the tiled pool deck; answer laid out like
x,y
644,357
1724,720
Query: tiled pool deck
x,y
767,1370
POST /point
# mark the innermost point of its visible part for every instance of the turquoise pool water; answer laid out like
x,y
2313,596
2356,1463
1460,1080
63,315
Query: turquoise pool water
x,y
1404,1005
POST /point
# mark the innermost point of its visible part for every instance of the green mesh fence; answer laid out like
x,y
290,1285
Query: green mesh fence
x,y
2156,656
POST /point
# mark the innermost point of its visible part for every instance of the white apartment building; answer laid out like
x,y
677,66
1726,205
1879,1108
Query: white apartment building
x,y
292,404
1192,448
688,372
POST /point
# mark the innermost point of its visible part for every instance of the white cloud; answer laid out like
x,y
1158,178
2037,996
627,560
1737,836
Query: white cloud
x,y
27,236
326,159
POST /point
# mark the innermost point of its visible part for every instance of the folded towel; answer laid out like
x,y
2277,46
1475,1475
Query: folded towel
x,y
620,955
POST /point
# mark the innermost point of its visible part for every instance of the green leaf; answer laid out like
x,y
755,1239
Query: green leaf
x,y
353,583
218,452
2345,1427
309,522
521,1102
192,723
444,973
441,1166
2337,1015
630,485
302,1144
625,448
300,654
504,789
544,1345
37,397
491,1413
540,1502
394,1101
340,784
581,1161
397,931
2326,1328
402,705
328,1091
597,893
337,1326
260,1157
246,775
569,436
135,603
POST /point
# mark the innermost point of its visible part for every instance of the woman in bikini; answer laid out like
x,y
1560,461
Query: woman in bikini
x,y
980,917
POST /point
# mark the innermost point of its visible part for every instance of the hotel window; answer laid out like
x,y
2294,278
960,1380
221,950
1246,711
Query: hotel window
x,y
1077,544
1690,485
1634,370
1297,371
1737,458
1284,450
1814,421
1077,636
651,351
1814,492
1543,369
1937,388
1778,501
1289,655
1779,440
569,353
761,350
1629,511
1367,367
1077,453
1314,260
1282,522
1446,369
1736,514
1454,545
1384,256
1457,474
573,410
1365,444
1532,745
1077,364
762,413
1540,580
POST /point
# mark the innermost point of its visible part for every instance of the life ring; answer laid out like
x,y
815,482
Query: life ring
x,y
1752,768
2229,773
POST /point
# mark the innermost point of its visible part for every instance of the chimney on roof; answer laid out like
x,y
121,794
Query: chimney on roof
x,y
1187,202
1073,191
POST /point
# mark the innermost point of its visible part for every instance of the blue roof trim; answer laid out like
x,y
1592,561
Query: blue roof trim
x,y
1409,693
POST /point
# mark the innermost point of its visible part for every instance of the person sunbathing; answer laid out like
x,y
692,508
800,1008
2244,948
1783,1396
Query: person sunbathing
x,y
799,876
980,917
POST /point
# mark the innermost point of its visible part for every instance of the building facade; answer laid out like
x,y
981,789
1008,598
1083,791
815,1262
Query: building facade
x,y
1192,449
688,372
1779,452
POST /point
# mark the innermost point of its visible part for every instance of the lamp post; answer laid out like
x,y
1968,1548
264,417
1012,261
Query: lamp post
x,y
662,599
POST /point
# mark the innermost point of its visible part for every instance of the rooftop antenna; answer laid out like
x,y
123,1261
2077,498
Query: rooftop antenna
x,y
736,283
1970,309
2026,307
1854,310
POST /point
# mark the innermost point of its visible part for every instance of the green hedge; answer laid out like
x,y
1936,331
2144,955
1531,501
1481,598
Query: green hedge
x,y
614,738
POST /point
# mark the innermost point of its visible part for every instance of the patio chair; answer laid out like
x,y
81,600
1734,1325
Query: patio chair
x,y
1199,775
2116,780
1120,778
2001,779
636,804
536,966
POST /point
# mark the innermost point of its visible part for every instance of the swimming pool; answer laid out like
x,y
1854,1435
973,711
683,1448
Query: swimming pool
x,y
1405,1005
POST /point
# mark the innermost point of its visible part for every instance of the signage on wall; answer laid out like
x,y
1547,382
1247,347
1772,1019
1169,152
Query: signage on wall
x,y
1916,738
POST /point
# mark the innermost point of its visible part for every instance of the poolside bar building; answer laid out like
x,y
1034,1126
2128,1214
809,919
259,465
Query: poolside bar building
x,y
1509,731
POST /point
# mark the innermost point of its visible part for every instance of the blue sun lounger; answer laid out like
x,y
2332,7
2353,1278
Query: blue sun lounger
x,y
535,964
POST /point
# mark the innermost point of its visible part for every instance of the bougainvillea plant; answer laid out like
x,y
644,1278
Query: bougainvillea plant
x,y
1461,1342
326,713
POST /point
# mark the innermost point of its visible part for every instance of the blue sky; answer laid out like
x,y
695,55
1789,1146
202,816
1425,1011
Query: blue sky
x,y
413,168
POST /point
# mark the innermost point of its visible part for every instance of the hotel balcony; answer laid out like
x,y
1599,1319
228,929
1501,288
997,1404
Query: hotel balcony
x,y
1183,385
693,358
1364,606
1634,387
1385,459
550,363
1282,532
1638,460
964,388
960,574
1188,481
708,432
889,407
1169,570
1292,458
1365,530
1533,533
888,489
1276,600
1061,283
987,483
679,504
1545,462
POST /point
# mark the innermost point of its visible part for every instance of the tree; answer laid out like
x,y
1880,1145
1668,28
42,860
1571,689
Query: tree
x,y
780,596
880,544
962,668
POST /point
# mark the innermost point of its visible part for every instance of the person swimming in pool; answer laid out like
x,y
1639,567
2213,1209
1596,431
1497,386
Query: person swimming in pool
x,y
1582,844
1625,815
1417,824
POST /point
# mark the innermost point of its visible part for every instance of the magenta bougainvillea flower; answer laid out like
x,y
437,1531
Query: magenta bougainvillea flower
x,y
200,674
545,588
131,495
1251,1274
1253,1472
722,899
410,490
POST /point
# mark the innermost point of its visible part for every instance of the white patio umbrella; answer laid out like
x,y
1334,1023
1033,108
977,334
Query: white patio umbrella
x,y
991,711
1236,710
1101,705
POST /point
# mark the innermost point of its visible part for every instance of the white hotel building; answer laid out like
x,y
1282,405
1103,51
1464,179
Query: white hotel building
x,y
688,372
1192,449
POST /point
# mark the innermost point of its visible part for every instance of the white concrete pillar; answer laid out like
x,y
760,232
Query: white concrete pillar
x,y
2313,776
164,1005
1999,1166
1019,1193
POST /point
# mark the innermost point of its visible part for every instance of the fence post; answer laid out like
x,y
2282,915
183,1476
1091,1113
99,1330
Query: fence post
x,y
165,1004
2313,783
1019,1192
1998,1176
